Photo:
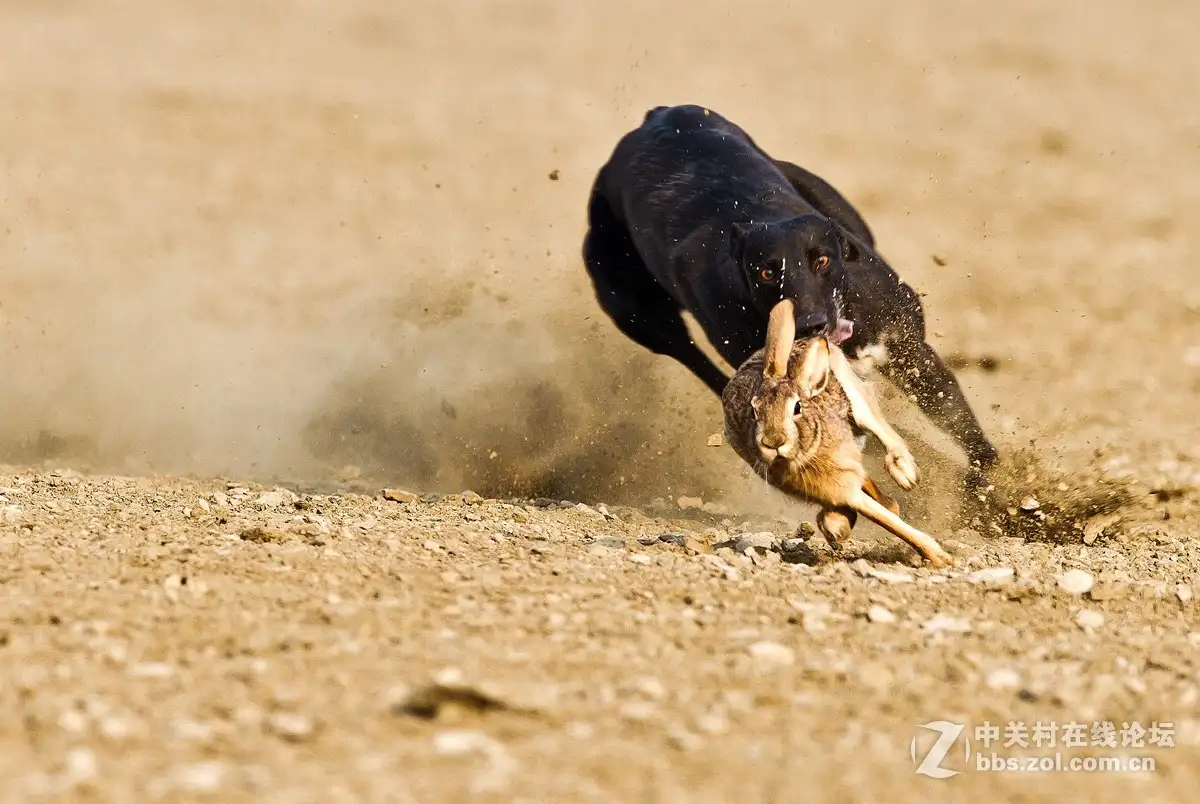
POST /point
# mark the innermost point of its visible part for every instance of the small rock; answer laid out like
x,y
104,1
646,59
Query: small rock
x,y
610,542
1109,590
638,711
430,499
1076,582
713,724
992,575
770,655
263,535
272,499
471,498
1089,619
10,514
460,742
1030,504
290,726
151,670
689,502
1003,678
81,764
714,509
640,558
876,676
1184,592
942,622
716,440
696,547
880,614
199,777
584,508
749,541
665,538
400,496
684,740
887,576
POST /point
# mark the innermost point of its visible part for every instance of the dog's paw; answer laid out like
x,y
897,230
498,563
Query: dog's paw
x,y
903,468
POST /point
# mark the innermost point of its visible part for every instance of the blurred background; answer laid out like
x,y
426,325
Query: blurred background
x,y
330,243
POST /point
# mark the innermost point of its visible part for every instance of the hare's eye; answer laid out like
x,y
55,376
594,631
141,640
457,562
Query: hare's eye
x,y
796,409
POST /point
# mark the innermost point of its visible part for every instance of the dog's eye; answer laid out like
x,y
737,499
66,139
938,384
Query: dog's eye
x,y
821,263
767,274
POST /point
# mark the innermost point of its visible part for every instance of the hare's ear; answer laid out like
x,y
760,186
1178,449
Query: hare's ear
x,y
781,332
812,371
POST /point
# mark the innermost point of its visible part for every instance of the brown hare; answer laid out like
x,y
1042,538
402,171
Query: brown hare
x,y
796,412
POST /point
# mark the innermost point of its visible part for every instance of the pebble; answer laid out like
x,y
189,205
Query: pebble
x,y
887,576
81,764
1184,592
749,541
151,670
770,655
471,498
200,777
272,499
944,622
1089,619
588,510
880,614
640,558
1076,582
992,575
291,726
716,440
1003,678
459,742
1030,504
400,496
689,502
611,542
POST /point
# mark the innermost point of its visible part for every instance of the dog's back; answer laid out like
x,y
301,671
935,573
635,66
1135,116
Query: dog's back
x,y
687,169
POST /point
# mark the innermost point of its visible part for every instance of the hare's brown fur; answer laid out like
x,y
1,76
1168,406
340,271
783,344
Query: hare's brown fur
x,y
791,417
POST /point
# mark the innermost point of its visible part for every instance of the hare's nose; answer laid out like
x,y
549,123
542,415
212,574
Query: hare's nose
x,y
773,440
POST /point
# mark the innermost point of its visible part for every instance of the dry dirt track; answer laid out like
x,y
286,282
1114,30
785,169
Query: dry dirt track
x,y
285,245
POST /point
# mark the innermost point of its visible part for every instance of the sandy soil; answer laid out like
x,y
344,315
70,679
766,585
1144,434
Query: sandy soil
x,y
262,261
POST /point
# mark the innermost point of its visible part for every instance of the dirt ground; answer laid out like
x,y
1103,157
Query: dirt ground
x,y
261,261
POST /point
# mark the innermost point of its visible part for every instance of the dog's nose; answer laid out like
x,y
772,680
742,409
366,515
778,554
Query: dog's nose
x,y
815,325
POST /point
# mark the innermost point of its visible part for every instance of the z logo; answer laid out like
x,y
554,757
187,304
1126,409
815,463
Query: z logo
x,y
931,763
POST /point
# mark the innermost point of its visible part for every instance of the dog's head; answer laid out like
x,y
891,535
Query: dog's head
x,y
803,259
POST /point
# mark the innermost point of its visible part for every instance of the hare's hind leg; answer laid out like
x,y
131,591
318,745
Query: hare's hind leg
x,y
923,543
876,494
835,525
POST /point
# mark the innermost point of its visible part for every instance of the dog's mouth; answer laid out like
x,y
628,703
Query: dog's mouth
x,y
842,330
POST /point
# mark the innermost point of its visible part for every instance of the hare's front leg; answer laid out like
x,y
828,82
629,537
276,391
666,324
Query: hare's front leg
x,y
900,463
835,525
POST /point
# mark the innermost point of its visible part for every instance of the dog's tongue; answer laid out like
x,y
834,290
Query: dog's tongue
x,y
842,331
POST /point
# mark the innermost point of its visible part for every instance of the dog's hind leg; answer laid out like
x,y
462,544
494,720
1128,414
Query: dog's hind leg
x,y
635,302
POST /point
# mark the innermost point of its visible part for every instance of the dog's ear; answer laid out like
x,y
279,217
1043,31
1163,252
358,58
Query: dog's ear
x,y
850,252
812,372
738,236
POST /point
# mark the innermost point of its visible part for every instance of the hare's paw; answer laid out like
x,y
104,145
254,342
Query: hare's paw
x,y
903,468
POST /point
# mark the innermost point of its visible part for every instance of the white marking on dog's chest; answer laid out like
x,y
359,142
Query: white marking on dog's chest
x,y
870,357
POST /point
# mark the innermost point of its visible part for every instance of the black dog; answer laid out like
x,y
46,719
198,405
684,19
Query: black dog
x,y
690,214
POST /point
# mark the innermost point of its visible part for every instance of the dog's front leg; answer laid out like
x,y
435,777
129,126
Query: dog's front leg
x,y
918,371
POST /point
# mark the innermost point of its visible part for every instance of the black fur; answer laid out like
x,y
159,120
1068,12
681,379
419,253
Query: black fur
x,y
687,214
